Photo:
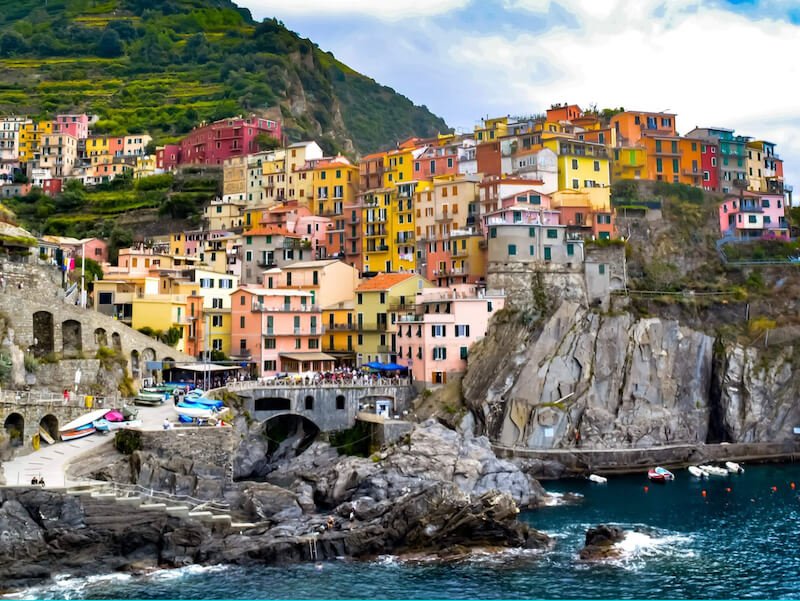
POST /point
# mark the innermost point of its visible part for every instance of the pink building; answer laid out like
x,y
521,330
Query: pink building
x,y
95,249
168,157
212,143
753,215
531,197
76,126
435,160
277,330
434,341
522,214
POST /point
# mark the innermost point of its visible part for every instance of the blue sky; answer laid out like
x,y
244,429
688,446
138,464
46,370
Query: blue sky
x,y
729,63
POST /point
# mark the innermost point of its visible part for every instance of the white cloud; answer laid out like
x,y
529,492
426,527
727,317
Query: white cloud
x,y
388,10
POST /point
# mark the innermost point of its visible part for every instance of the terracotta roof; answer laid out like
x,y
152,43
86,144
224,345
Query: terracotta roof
x,y
384,281
270,230
374,155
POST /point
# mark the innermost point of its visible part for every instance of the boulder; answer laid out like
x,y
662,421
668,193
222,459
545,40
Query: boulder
x,y
601,543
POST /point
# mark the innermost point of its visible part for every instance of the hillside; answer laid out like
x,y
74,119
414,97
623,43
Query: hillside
x,y
161,67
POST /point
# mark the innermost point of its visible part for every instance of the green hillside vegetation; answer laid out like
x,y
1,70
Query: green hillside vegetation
x,y
162,67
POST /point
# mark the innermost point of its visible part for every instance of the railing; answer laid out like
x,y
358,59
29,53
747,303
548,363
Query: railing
x,y
136,490
29,397
262,308
371,327
290,331
341,326
301,380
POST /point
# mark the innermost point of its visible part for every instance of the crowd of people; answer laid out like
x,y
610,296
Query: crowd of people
x,y
339,377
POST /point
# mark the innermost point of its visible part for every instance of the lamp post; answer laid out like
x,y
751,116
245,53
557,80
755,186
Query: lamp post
x,y
83,275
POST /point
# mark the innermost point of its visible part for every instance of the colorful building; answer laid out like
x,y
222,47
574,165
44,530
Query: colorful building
x,y
76,125
30,139
433,340
732,159
631,126
753,215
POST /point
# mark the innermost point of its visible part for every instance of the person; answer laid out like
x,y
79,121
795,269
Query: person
x,y
330,522
41,481
34,481
66,395
167,424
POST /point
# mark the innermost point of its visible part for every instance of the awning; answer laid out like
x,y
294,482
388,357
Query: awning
x,y
307,356
204,367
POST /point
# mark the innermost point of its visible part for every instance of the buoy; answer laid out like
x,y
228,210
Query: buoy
x,y
704,493
646,488
792,485
774,489
728,489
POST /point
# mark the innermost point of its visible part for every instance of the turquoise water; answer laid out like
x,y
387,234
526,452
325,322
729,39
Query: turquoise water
x,y
737,544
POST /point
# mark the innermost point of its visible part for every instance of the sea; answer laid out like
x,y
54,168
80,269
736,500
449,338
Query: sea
x,y
739,540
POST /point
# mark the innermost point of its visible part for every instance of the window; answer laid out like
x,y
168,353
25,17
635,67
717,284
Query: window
x,y
313,344
241,321
713,160
531,232
552,234
576,184
675,167
438,331
462,331
241,299
532,250
464,351
548,253
601,269
597,165
752,219
360,299
270,365
269,343
439,353
249,239
298,343
216,321
493,232
382,298
340,401
288,278
309,403
512,250
765,203
248,256
570,250
574,163
659,165
706,176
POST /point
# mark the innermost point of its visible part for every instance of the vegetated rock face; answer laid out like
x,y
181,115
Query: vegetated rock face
x,y
622,382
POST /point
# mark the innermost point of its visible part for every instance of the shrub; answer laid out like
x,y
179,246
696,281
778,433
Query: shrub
x,y
127,441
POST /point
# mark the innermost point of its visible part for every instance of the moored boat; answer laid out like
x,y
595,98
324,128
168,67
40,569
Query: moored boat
x,y
713,470
733,467
598,479
196,410
149,397
660,474
697,472
83,420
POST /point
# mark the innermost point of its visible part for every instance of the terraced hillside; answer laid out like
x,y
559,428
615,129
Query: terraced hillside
x,y
163,66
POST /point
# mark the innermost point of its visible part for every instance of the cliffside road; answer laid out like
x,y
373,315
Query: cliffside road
x,y
50,461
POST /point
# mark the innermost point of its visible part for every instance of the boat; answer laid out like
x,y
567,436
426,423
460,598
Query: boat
x,y
149,397
79,432
713,470
103,425
83,420
114,416
195,410
734,467
697,472
660,474
129,413
598,479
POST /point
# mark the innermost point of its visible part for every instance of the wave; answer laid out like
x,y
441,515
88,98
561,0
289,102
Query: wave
x,y
643,543
67,586
556,499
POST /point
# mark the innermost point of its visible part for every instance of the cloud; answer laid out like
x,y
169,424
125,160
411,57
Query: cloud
x,y
708,61
387,10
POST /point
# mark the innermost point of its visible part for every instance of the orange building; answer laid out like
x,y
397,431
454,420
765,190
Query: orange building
x,y
631,126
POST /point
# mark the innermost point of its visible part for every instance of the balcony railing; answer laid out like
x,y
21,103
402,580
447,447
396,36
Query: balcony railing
x,y
342,327
405,238
290,331
372,327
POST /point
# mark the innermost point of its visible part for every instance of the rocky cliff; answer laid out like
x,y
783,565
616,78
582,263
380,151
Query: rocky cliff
x,y
610,380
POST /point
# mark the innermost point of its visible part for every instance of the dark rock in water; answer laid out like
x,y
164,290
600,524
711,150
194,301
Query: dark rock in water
x,y
600,542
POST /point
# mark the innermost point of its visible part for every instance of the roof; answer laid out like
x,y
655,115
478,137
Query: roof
x,y
384,281
374,155
301,144
308,356
273,291
307,264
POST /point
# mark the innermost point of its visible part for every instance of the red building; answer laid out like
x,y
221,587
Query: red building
x,y
211,144
709,163
435,160
489,158
51,187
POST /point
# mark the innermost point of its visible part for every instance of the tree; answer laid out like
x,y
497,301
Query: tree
x,y
267,142
119,238
12,43
110,45
73,197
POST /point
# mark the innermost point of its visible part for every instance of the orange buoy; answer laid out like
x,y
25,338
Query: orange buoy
x,y
774,489
646,488
792,485
704,493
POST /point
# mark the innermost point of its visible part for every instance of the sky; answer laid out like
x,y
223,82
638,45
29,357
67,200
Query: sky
x,y
728,63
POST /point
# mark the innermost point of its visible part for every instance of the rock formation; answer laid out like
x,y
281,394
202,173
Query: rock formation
x,y
601,543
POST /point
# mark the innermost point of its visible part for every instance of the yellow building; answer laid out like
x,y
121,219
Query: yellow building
x,y
273,171
299,176
30,139
378,302
163,311
491,129
215,288
97,150
376,230
340,333
629,163
234,179
398,167
335,183
581,166
145,166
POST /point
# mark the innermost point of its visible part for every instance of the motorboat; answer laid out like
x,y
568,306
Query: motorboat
x,y
660,474
598,479
104,425
713,470
196,410
734,467
149,397
80,432
697,472
78,424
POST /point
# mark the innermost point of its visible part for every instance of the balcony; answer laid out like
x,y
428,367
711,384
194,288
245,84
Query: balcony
x,y
444,218
692,172
292,243
405,238
341,327
459,252
668,153
383,348
375,233
402,307
289,331
382,248
331,213
265,264
372,327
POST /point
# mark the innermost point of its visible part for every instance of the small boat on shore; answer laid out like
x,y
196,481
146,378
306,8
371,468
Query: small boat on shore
x,y
598,479
197,410
713,470
660,474
104,425
734,467
81,426
697,472
79,432
149,397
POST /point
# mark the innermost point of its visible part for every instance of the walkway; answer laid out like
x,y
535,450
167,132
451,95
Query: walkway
x,y
50,461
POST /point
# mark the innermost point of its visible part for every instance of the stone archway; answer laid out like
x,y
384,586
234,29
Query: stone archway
x,y
14,426
116,341
100,337
272,404
49,423
288,435
71,340
136,367
43,334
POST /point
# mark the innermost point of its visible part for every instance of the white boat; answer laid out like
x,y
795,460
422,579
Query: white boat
x,y
734,467
80,432
83,420
697,472
598,479
195,412
713,470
